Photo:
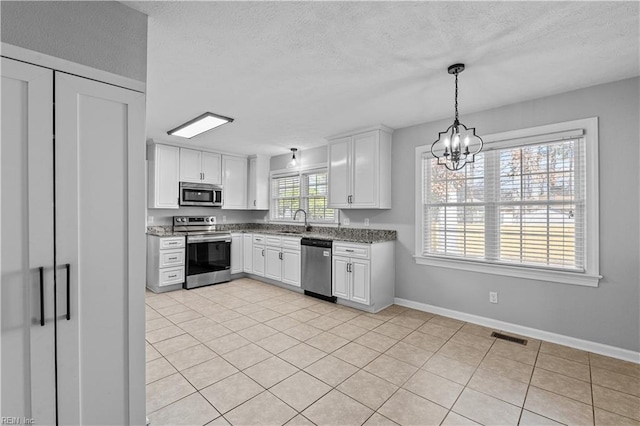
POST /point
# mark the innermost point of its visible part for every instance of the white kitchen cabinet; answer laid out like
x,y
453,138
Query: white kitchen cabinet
x,y
234,182
258,192
247,250
237,252
360,170
200,166
99,247
363,274
165,263
164,170
258,258
273,263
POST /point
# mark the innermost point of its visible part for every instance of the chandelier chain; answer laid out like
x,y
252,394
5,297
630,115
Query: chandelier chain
x,y
456,97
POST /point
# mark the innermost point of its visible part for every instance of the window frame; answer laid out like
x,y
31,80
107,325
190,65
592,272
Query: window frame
x,y
300,171
585,128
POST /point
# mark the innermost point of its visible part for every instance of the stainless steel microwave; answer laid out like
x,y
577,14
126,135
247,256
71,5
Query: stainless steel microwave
x,y
200,194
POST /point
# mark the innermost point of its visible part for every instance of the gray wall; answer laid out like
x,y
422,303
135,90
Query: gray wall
x,y
106,35
609,314
307,157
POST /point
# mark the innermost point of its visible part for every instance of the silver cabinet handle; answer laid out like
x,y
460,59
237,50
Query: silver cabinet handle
x,y
254,203
262,252
348,267
173,276
349,250
280,255
173,258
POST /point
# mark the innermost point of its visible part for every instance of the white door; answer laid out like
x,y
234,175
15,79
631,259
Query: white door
x,y
234,182
360,281
247,249
236,253
339,173
211,168
258,260
190,165
273,263
340,277
365,170
28,360
101,235
166,177
291,267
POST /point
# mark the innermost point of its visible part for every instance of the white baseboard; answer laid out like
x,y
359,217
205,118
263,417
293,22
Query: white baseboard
x,y
585,345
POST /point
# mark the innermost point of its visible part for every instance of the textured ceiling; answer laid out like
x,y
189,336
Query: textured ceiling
x,y
292,73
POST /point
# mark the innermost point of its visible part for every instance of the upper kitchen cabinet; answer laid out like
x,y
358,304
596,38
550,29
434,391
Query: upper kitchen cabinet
x,y
164,171
234,182
199,166
360,170
258,196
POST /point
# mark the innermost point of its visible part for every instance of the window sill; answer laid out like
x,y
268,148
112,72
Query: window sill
x,y
575,278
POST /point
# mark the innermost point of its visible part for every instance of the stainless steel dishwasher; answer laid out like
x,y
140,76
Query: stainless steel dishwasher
x,y
316,268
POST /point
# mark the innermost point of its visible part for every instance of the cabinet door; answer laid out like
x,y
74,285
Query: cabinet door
x,y
258,260
234,181
251,190
273,263
28,359
291,267
365,170
360,280
190,165
247,249
236,253
166,173
340,281
100,179
211,168
339,173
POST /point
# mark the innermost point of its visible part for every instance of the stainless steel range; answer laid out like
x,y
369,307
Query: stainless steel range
x,y
208,259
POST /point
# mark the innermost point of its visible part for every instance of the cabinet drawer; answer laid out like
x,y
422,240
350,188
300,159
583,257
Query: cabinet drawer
x,y
171,242
351,250
272,240
171,258
258,239
291,243
169,276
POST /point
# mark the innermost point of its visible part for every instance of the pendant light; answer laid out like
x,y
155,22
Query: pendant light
x,y
458,145
293,161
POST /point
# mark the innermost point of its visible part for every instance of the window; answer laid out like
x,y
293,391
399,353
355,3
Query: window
x,y
305,190
522,209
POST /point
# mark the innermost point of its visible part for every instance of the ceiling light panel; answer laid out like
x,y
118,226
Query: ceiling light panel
x,y
198,125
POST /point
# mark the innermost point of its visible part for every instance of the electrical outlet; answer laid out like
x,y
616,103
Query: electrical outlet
x,y
366,222
493,296
224,219
346,221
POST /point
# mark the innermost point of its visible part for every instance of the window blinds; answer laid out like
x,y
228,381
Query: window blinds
x,y
306,190
521,205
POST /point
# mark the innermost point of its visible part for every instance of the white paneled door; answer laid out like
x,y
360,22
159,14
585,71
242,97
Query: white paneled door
x,y
73,352
28,358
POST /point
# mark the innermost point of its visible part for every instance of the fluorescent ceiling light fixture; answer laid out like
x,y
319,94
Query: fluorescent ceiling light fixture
x,y
201,124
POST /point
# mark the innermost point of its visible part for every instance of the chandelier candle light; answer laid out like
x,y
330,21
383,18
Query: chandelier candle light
x,y
458,145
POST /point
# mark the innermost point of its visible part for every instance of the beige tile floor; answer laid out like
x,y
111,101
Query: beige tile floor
x,y
248,353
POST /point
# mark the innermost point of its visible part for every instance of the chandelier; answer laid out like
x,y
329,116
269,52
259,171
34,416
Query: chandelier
x,y
458,145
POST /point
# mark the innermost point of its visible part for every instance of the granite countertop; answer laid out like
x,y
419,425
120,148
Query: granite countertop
x,y
354,235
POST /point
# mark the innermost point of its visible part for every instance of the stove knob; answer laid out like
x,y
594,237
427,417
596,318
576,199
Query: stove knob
x,y
208,219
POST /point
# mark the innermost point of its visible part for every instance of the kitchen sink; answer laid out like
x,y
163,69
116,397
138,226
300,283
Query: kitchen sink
x,y
291,232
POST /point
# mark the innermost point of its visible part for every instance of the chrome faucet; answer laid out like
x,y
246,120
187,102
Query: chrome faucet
x,y
306,224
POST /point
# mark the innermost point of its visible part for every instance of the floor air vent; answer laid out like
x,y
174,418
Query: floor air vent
x,y
509,338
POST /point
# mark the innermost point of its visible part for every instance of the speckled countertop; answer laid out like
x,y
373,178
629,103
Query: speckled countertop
x,y
355,235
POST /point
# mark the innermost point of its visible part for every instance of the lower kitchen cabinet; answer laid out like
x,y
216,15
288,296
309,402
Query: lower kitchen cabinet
x,y
237,252
258,255
291,266
247,253
363,274
273,263
165,263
